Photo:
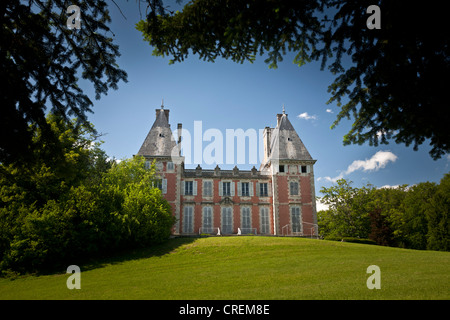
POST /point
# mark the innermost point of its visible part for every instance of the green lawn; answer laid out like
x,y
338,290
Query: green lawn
x,y
249,267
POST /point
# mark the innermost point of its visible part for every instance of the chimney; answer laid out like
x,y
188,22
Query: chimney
x,y
267,135
179,131
179,128
279,115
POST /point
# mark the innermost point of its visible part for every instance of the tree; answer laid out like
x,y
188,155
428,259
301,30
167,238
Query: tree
x,y
438,217
348,214
395,85
385,203
45,203
77,204
40,61
409,222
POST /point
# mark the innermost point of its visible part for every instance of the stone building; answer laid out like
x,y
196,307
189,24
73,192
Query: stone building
x,y
277,199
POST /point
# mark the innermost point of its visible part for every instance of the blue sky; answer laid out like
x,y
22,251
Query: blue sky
x,y
225,95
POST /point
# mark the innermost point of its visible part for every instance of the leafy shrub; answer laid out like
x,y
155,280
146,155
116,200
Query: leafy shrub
x,y
50,216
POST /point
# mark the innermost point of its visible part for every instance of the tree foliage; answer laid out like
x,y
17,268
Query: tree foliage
x,y
74,205
348,214
394,88
41,61
413,217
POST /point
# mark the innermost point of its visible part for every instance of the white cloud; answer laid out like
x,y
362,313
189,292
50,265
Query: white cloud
x,y
396,186
321,206
306,116
387,186
330,179
329,111
378,161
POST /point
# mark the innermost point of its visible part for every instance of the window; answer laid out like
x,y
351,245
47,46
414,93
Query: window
x,y
246,222
188,220
304,169
264,216
147,165
227,220
161,184
207,188
296,220
263,192
281,168
245,189
207,220
293,188
188,188
226,189
169,166
157,184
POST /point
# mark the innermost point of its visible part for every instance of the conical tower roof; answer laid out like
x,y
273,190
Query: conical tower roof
x,y
159,140
285,143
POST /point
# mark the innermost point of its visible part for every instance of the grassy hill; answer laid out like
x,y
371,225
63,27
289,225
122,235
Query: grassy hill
x,y
249,268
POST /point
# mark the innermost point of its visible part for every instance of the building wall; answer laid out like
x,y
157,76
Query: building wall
x,y
279,223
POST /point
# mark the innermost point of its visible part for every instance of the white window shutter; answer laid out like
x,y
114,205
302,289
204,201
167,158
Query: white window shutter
x,y
257,189
250,187
269,189
220,188
164,186
239,189
182,187
194,192
232,188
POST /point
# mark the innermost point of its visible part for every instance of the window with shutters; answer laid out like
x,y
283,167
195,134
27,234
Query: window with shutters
x,y
263,190
226,189
207,188
161,184
188,219
188,188
246,221
245,189
227,220
157,184
264,219
207,220
293,188
296,220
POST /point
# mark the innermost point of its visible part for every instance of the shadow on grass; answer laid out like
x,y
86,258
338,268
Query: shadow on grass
x,y
107,258
157,250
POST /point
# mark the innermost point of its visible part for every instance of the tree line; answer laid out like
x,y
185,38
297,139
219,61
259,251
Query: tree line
x,y
68,206
415,217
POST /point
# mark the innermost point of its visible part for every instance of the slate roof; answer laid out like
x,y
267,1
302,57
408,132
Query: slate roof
x,y
159,140
286,144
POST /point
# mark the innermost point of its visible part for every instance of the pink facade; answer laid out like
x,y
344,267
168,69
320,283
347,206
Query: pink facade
x,y
278,199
